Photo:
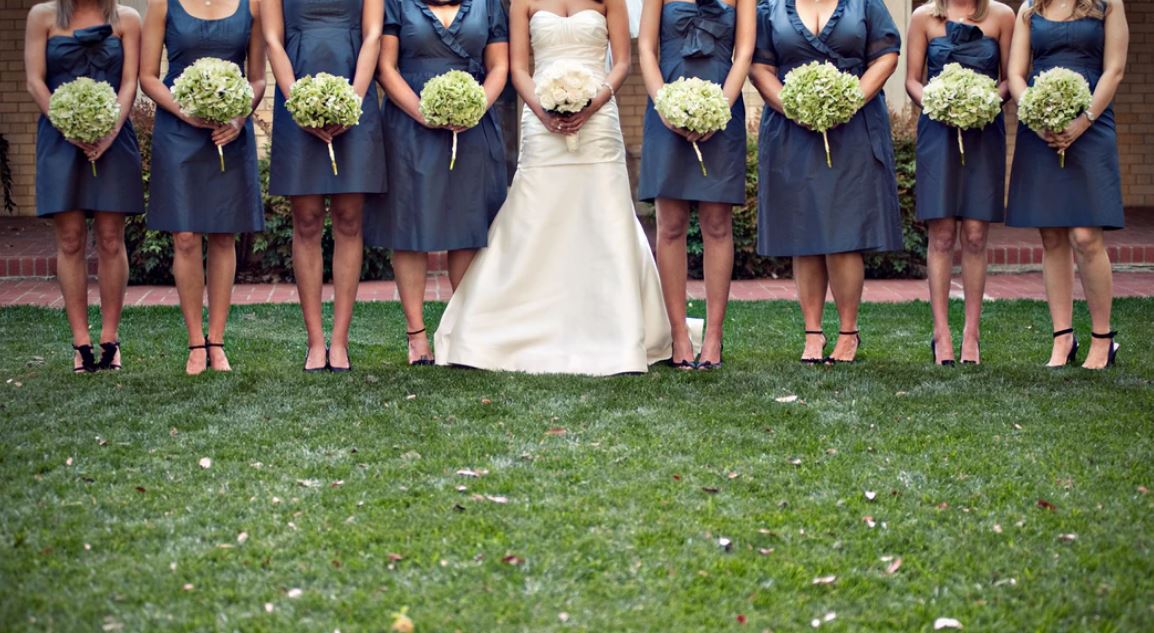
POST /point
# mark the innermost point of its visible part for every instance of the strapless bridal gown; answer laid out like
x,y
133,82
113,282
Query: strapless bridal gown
x,y
567,284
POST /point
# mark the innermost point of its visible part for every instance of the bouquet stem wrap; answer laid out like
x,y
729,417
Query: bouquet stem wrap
x,y
333,160
93,163
696,105
453,157
573,141
828,158
700,160
961,147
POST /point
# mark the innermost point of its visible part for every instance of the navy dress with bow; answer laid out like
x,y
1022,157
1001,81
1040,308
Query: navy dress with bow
x,y
188,190
64,180
428,207
805,207
1088,192
325,36
697,40
946,188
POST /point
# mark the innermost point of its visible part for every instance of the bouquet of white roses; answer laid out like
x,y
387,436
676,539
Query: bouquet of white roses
x,y
454,98
696,105
821,97
1057,97
565,88
962,98
84,110
214,90
321,100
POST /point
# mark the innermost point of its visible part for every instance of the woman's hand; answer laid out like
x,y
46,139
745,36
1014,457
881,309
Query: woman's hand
x,y
573,123
1073,132
228,132
320,133
196,121
97,149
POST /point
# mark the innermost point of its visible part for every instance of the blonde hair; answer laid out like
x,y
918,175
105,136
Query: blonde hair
x,y
940,9
1082,8
65,9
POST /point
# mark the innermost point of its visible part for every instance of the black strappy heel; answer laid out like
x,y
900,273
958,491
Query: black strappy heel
x,y
1072,357
973,362
824,342
108,354
934,354
1113,346
833,361
709,366
423,361
341,370
88,362
207,358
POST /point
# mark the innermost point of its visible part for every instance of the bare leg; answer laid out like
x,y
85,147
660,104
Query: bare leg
x,y
812,279
1058,276
72,274
717,234
846,279
974,235
112,259
459,261
221,274
348,254
308,268
188,270
1098,284
943,234
672,227
411,269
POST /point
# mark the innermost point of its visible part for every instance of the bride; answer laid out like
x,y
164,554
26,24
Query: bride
x,y
568,283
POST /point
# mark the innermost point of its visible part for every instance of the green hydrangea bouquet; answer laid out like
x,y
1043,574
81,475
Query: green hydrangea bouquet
x,y
214,90
821,97
454,98
84,110
694,104
322,99
1057,97
962,98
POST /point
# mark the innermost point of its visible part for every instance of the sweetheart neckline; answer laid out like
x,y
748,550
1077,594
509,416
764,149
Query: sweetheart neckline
x,y
566,17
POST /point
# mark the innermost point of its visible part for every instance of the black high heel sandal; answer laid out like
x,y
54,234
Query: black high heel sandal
x,y
1113,346
314,370
973,362
423,361
1072,357
824,342
207,355
340,370
88,362
207,358
834,361
108,354
934,354
709,366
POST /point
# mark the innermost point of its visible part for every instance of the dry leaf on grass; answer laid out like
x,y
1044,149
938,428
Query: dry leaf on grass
x,y
765,551
295,593
946,623
870,495
893,567
513,560
725,544
556,431
308,483
829,617
1143,490
1046,505
786,399
825,580
205,462
469,472
710,489
869,521
241,538
1067,538
796,461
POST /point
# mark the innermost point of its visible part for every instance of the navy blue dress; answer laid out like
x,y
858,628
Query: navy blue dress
x,y
188,191
697,40
325,36
1088,192
429,208
946,189
804,206
64,180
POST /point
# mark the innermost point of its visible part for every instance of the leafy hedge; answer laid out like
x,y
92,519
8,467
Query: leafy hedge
x,y
261,257
6,176
747,264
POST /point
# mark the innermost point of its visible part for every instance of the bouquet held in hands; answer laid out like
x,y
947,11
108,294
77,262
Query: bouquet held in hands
x,y
962,98
214,90
564,89
695,105
321,100
84,111
454,99
821,97
1057,97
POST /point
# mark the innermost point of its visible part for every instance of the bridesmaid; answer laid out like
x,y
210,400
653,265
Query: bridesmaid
x,y
341,37
975,34
713,40
822,217
101,40
1072,206
190,196
428,207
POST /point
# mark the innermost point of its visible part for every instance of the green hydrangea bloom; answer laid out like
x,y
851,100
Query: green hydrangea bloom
x,y
962,98
323,99
214,90
84,110
821,97
694,104
1057,97
454,98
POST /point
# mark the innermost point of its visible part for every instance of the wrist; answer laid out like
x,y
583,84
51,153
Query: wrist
x,y
1090,117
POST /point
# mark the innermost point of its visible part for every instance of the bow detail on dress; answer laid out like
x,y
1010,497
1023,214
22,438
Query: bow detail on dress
x,y
705,31
448,36
967,45
90,49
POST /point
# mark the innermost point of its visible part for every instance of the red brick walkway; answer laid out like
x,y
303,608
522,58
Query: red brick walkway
x,y
44,292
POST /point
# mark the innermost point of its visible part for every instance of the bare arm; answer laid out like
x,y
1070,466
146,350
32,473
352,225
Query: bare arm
x,y
128,25
1019,66
877,75
152,49
648,43
764,78
1005,44
272,20
916,55
1113,68
744,42
40,20
256,55
496,71
372,25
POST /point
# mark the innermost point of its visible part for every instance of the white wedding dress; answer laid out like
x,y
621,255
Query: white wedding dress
x,y
567,284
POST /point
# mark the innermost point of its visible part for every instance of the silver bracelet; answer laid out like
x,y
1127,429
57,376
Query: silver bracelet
x,y
1090,116
612,92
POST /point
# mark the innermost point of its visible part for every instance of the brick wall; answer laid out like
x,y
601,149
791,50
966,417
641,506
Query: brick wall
x,y
17,111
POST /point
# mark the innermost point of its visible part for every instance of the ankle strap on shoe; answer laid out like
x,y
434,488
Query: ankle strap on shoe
x,y
1109,335
1064,332
416,332
849,333
814,332
208,344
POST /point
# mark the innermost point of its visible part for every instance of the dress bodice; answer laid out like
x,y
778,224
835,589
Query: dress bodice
x,y
309,15
429,48
581,38
967,45
1075,44
697,29
188,38
93,52
858,32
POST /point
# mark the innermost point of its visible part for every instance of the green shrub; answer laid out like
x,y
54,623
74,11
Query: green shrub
x,y
261,257
6,176
747,264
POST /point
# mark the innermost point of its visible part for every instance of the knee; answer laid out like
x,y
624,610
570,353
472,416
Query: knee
x,y
220,242
716,226
1087,241
974,241
308,226
1055,239
70,243
672,227
110,243
347,222
186,244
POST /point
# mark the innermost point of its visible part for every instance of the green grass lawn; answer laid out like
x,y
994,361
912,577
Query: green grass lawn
x,y
601,502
